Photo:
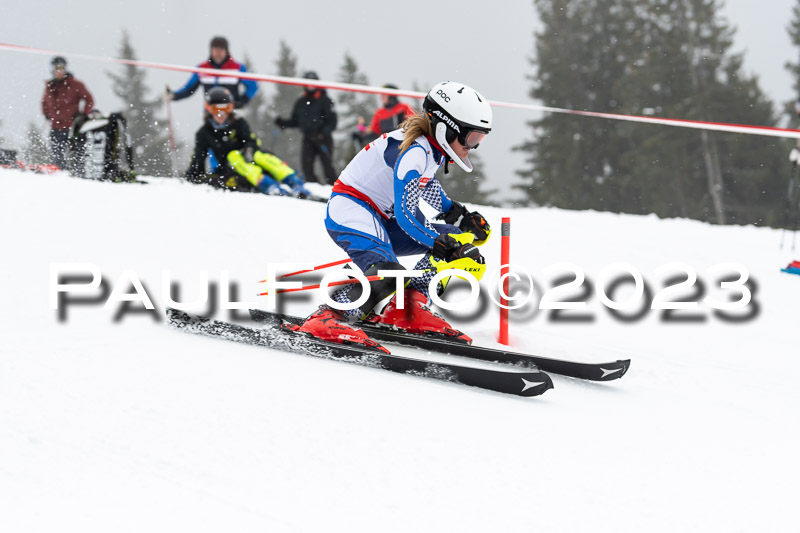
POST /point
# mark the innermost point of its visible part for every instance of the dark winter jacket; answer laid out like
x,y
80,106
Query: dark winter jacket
x,y
236,136
61,102
231,83
313,113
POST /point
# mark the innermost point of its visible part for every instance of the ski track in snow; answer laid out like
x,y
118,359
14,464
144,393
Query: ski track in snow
x,y
133,426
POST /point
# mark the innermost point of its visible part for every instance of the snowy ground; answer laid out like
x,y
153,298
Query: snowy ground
x,y
132,426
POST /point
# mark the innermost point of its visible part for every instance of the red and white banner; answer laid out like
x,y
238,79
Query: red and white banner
x,y
339,86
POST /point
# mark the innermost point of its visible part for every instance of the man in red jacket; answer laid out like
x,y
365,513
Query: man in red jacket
x,y
391,113
61,102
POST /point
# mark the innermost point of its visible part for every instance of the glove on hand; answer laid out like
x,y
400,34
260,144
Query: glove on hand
x,y
453,216
280,122
477,225
248,154
448,249
467,222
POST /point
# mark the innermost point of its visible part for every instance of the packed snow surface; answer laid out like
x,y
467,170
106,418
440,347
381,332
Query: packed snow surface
x,y
129,425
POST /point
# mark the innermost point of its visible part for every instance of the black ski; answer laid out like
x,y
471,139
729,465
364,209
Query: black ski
x,y
527,382
588,371
313,198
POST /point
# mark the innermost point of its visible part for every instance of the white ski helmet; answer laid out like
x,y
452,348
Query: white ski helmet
x,y
457,111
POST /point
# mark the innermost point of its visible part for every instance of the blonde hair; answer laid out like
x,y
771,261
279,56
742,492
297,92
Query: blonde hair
x,y
413,127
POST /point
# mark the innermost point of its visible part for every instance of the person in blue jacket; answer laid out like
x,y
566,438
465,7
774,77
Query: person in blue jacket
x,y
220,59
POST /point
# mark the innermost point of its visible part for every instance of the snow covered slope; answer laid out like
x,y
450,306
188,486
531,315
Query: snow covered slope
x,y
132,426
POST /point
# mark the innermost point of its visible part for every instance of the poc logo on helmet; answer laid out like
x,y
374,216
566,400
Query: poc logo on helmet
x,y
448,120
443,95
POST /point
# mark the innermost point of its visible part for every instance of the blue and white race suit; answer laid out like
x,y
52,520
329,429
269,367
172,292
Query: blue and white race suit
x,y
374,212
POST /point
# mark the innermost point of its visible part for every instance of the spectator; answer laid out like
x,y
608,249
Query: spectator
x,y
391,114
313,113
239,152
220,59
61,104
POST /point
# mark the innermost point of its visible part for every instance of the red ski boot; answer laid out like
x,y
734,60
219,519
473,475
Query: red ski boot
x,y
416,317
331,325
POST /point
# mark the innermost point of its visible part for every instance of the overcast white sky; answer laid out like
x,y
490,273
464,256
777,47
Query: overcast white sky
x,y
483,44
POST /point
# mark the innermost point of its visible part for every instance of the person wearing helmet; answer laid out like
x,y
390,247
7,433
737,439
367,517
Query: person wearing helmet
x,y
391,114
314,114
239,152
374,215
219,58
61,104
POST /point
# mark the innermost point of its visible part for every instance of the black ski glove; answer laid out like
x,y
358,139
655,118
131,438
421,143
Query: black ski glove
x,y
453,215
477,225
447,249
473,222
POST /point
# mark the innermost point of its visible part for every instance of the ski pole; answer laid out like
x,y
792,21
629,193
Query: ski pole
x,y
173,152
328,265
313,269
331,284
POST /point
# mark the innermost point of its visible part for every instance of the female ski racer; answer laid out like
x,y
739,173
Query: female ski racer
x,y
238,151
374,215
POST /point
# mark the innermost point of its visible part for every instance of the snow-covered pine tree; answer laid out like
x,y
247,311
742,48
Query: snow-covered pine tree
x,y
468,186
257,109
665,58
36,150
349,107
147,128
286,143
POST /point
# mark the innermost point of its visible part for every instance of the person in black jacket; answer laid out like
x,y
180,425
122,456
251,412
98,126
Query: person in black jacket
x,y
238,151
313,113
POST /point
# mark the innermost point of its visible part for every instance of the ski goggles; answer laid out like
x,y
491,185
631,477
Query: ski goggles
x,y
220,109
473,138
470,138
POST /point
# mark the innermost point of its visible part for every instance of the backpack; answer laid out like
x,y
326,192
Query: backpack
x,y
8,157
101,148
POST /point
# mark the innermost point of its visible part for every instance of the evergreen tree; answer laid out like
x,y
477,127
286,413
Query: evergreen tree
x,y
36,151
257,111
349,107
466,186
574,160
794,68
661,57
148,131
285,143
723,177
791,110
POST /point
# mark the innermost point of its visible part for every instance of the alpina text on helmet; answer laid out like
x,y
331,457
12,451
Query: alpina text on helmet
x,y
448,120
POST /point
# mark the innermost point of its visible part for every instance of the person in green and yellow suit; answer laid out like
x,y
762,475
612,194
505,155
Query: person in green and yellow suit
x,y
239,152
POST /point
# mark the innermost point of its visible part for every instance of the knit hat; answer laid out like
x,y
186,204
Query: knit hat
x,y
219,42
